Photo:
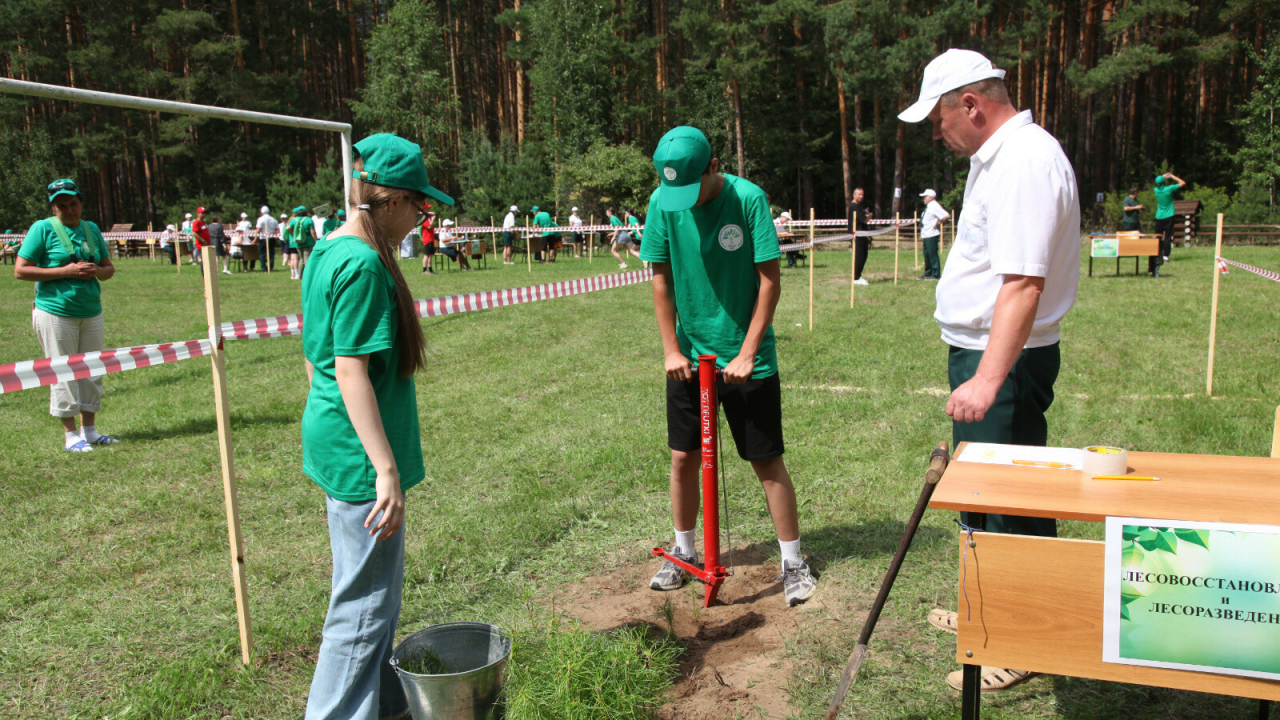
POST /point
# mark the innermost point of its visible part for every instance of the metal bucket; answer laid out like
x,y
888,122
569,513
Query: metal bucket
x,y
459,670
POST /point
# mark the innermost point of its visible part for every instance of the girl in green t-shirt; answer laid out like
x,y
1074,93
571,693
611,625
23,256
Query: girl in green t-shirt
x,y
360,437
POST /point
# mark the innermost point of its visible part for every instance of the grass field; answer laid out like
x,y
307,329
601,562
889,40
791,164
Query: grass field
x,y
544,438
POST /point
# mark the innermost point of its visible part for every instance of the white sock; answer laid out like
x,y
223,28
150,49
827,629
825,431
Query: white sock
x,y
684,542
89,433
72,439
790,550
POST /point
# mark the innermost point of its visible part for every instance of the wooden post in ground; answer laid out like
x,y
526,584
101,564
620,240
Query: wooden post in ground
x,y
915,237
591,243
897,235
493,238
1213,311
222,410
1275,436
528,243
853,260
812,258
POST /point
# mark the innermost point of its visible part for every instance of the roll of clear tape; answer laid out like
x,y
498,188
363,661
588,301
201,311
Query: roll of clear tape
x,y
1105,460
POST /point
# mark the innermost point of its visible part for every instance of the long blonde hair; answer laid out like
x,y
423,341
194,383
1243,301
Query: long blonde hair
x,y
410,342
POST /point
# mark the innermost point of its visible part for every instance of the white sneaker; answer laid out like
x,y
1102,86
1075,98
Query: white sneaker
x,y
861,281
622,266
226,272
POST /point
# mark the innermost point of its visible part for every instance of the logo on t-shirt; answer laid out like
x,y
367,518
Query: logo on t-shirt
x,y
730,237
669,173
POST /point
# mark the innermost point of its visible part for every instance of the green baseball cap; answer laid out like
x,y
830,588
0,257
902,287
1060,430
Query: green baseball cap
x,y
300,209
392,161
65,186
535,209
1159,180
342,213
682,155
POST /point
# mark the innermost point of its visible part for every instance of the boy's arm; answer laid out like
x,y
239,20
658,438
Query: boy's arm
x,y
740,368
664,307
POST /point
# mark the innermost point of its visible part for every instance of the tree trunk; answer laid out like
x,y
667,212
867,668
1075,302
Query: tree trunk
x,y
844,135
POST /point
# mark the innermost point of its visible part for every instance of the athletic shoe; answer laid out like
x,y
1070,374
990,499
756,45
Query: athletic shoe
x,y
861,281
622,266
226,272
798,582
671,576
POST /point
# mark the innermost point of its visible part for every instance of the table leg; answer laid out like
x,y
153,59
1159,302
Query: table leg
x,y
1264,710
1117,265
971,693
1090,266
1135,264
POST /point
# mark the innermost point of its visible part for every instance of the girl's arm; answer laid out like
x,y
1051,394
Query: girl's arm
x,y
352,374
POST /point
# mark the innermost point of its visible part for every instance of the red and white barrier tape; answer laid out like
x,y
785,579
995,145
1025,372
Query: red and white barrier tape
x,y
47,371
292,324
1257,271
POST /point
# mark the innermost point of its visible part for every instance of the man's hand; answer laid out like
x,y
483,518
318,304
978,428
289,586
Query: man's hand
x,y
82,270
390,503
971,401
679,367
739,370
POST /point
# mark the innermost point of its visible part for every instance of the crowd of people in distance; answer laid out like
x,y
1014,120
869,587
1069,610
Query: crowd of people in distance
x,y
295,235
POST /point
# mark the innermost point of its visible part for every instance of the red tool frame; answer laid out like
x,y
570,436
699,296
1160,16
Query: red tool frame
x,y
712,574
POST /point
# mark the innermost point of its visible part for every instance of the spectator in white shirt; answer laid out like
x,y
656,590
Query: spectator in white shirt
x,y
508,234
1009,281
576,236
930,233
169,243
268,228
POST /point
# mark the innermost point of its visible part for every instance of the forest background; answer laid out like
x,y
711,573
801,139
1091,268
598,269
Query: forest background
x,y
559,102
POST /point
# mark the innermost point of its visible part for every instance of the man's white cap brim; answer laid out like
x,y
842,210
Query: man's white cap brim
x,y
514,208
949,71
929,193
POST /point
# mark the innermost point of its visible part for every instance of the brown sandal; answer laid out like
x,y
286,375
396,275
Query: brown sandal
x,y
993,678
946,620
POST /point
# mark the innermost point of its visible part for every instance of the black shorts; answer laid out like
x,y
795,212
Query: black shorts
x,y
753,409
507,237
220,249
429,249
286,250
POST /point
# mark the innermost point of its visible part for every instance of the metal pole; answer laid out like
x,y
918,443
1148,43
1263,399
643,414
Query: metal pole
x,y
348,167
707,392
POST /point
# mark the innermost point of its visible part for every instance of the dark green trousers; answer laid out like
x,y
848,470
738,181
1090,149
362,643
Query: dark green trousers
x,y
932,265
1016,418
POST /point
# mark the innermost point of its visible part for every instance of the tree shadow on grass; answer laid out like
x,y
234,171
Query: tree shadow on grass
x,y
240,421
1084,698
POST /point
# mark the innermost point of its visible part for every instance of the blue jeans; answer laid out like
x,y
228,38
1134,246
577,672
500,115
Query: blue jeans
x,y
354,680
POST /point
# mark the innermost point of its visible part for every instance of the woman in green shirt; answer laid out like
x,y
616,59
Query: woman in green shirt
x,y
66,258
360,437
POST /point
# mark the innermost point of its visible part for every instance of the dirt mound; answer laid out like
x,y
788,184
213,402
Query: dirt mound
x,y
734,663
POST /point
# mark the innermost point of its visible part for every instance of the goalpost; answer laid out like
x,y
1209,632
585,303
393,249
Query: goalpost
x,y
221,407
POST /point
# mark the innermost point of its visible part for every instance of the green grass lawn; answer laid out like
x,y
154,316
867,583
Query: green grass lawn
x,y
544,438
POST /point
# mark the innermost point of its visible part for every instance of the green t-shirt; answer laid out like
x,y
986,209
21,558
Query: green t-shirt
x,y
543,219
349,308
302,233
615,220
330,224
1130,216
713,250
1164,199
68,297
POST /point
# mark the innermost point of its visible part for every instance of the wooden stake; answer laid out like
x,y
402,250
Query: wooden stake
x,y
528,243
812,255
591,243
853,260
222,410
915,237
493,239
897,234
1213,312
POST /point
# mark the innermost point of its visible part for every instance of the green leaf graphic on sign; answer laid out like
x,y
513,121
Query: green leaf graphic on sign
x,y
1130,532
1132,556
1167,541
1197,537
1147,538
1124,612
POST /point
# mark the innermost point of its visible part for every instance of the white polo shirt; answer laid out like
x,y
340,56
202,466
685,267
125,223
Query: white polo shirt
x,y
1021,216
933,214
509,221
575,221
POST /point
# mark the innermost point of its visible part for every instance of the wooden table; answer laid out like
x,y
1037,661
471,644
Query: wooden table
x,y
1036,603
1143,245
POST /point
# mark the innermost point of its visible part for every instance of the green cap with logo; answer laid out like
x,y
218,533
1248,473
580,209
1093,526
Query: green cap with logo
x,y
65,186
681,157
300,209
392,161
534,209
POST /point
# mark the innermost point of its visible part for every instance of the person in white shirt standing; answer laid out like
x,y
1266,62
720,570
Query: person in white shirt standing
x,y
934,214
1010,279
267,230
186,233
508,235
576,236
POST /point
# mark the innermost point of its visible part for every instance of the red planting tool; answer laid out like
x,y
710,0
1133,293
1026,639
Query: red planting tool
x,y
712,574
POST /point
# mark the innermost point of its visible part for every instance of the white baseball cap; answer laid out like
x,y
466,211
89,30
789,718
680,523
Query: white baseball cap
x,y
188,216
244,215
514,208
264,209
170,227
447,223
283,216
929,193
574,210
785,214
950,70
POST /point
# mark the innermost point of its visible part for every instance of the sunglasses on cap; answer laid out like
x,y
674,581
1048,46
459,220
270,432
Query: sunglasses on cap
x,y
63,185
